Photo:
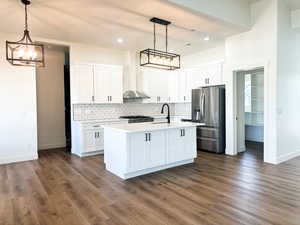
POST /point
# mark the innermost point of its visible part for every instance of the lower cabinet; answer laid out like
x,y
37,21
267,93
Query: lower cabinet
x,y
146,150
142,152
179,142
88,138
93,140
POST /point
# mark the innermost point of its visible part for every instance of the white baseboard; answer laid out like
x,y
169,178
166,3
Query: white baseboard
x,y
286,157
51,146
52,142
7,160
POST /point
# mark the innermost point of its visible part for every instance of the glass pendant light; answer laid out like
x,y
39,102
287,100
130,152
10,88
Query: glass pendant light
x,y
156,58
25,52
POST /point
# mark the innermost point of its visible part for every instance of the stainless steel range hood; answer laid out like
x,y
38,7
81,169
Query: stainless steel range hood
x,y
132,71
132,95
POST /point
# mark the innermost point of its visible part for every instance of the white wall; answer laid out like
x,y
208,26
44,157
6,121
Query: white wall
x,y
18,124
256,48
204,57
288,120
50,101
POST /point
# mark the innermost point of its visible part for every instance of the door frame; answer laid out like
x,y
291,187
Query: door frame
x,y
270,84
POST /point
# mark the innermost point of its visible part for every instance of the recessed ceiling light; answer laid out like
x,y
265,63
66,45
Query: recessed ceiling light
x,y
188,44
120,40
206,38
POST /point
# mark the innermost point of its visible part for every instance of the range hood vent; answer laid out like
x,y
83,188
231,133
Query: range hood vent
x,y
134,95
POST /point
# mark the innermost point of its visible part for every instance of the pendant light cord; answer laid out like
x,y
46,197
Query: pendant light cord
x,y
166,38
26,18
154,39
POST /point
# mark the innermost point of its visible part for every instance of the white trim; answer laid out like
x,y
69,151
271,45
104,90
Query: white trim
x,y
270,149
84,154
7,160
288,156
151,170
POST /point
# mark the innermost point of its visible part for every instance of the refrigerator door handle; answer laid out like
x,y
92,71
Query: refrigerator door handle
x,y
202,106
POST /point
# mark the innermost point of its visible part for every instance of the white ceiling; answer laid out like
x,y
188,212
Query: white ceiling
x,y
101,22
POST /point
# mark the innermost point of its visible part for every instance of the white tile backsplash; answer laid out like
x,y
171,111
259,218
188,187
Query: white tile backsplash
x,y
183,109
113,111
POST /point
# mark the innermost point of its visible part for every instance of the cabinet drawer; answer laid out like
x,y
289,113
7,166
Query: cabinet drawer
x,y
207,144
207,132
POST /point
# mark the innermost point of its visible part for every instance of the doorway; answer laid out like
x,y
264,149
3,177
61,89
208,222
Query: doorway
x,y
250,113
53,99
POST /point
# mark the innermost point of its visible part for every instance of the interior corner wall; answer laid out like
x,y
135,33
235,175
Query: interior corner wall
x,y
18,119
255,48
288,136
50,101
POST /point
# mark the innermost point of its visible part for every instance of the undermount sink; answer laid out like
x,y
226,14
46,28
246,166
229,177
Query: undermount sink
x,y
159,122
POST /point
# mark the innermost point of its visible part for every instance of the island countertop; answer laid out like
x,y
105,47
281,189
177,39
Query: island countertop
x,y
140,127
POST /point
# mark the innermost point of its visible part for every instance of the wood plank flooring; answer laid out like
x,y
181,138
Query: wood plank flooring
x,y
60,189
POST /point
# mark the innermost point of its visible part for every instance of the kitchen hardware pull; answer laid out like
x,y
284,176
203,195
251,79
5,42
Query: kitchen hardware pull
x,y
149,136
95,134
180,132
183,131
96,126
183,98
146,137
93,98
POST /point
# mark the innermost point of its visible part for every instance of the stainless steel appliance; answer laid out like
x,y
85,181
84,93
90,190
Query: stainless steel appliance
x,y
208,106
138,119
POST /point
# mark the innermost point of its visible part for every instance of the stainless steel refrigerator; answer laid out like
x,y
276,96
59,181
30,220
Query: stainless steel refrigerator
x,y
208,106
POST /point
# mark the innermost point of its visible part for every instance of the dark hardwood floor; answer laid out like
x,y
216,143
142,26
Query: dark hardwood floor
x,y
63,189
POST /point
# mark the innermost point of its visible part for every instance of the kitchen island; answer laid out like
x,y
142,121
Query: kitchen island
x,y
132,150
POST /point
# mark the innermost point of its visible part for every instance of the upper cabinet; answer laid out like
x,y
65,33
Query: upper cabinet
x,y
95,83
176,86
82,83
159,85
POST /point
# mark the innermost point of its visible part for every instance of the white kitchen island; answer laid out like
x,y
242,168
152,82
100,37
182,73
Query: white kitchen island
x,y
132,150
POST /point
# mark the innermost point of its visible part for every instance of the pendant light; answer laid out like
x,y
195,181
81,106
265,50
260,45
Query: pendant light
x,y
25,52
156,58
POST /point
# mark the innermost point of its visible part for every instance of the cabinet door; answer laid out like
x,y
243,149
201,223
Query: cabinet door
x,y
175,150
102,84
82,84
99,139
215,74
89,137
155,84
181,144
156,150
189,143
173,87
137,159
116,85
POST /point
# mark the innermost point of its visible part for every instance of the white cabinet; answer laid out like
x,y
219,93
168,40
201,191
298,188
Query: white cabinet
x,y
160,85
155,85
156,148
146,150
142,152
108,84
88,137
93,140
95,83
179,142
82,84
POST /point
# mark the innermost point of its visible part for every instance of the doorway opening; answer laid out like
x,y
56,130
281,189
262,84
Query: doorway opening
x,y
250,113
53,99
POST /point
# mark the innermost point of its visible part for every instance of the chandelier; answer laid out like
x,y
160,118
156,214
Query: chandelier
x,y
25,52
156,58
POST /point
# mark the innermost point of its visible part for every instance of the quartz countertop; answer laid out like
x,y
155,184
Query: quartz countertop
x,y
141,127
